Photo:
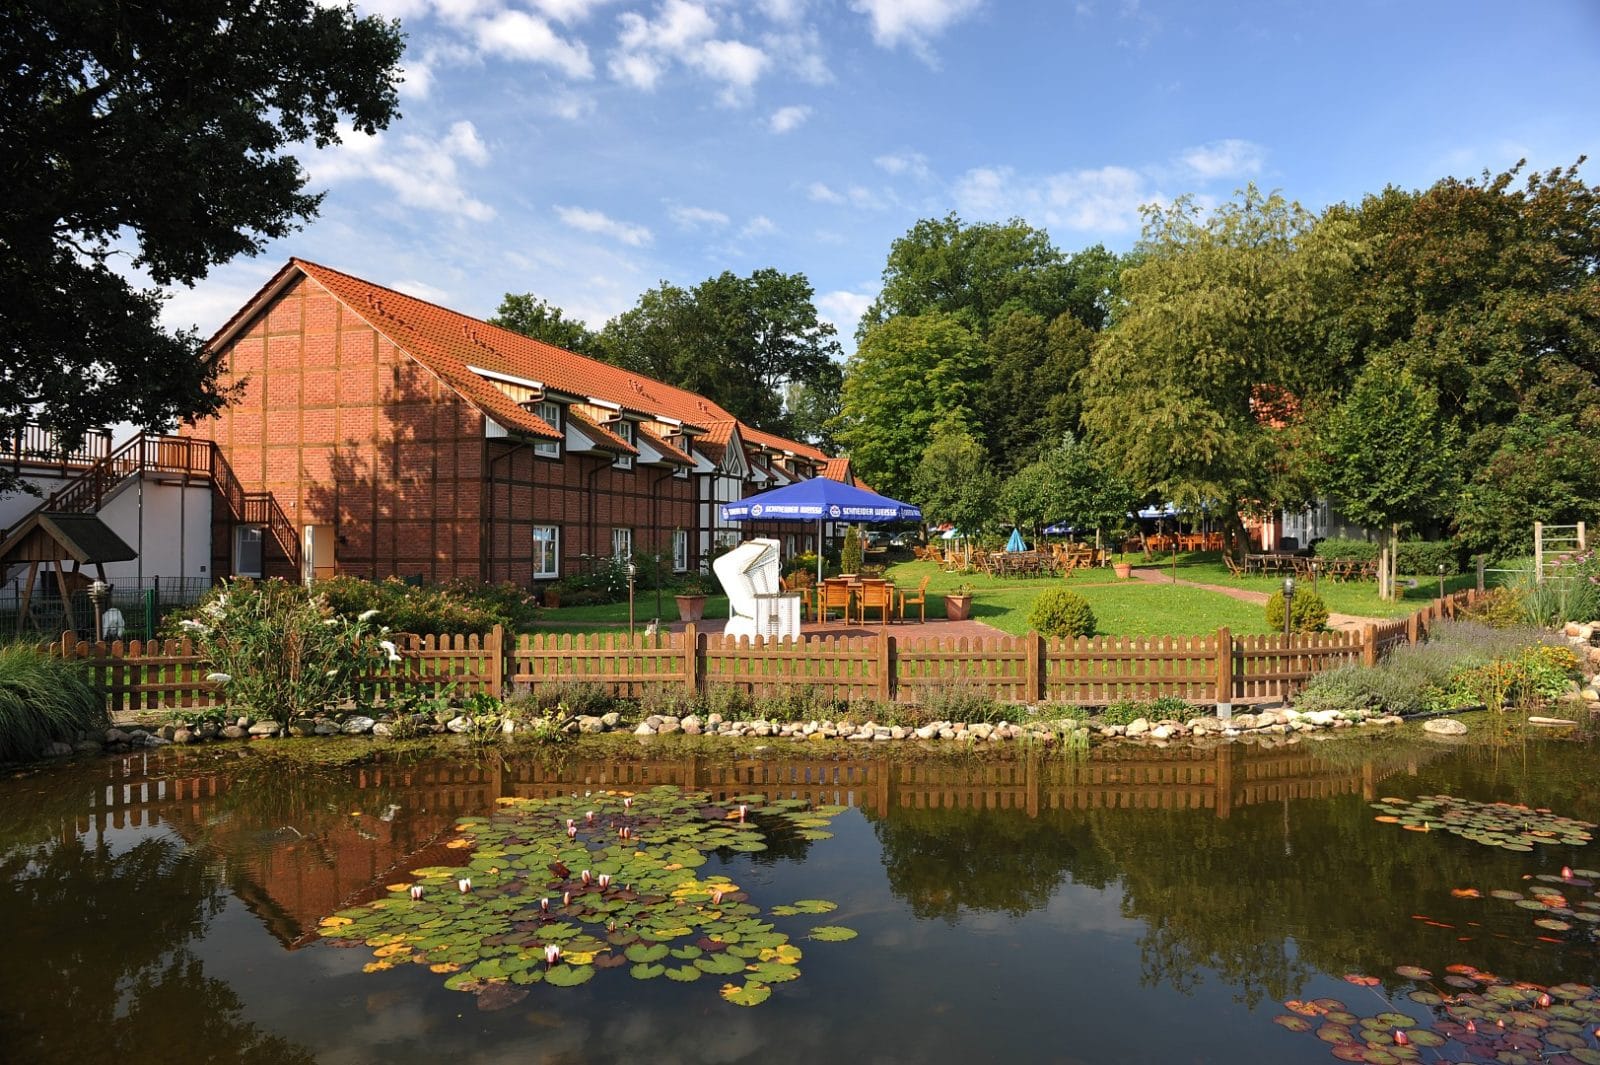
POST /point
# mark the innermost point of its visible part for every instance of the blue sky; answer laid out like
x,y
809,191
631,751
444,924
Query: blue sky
x,y
586,150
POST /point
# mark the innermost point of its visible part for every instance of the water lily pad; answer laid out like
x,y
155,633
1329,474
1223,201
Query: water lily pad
x,y
1293,1023
647,952
719,964
647,972
1412,972
750,993
569,975
683,974
833,933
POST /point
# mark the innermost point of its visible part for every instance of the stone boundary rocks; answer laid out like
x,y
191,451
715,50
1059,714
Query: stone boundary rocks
x,y
1036,727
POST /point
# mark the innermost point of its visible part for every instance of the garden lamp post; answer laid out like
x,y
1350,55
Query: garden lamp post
x,y
99,592
1288,607
1441,580
658,585
633,571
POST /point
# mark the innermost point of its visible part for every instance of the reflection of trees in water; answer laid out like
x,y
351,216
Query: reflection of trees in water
x,y
945,861
1273,893
99,967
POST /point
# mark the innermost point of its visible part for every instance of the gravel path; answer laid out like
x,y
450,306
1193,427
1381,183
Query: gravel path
x,y
1343,622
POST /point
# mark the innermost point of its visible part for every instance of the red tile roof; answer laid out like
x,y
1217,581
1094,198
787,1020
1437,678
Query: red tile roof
x,y
448,342
838,469
657,441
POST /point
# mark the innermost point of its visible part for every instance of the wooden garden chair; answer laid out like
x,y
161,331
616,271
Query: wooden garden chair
x,y
875,595
833,594
920,600
1234,569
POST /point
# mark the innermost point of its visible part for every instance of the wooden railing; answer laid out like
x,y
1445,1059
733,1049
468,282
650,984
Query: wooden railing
x,y
96,485
1096,671
37,446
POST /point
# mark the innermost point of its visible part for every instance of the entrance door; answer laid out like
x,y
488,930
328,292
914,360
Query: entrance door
x,y
316,553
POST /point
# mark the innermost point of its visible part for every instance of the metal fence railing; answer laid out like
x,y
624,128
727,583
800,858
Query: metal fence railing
x,y
141,605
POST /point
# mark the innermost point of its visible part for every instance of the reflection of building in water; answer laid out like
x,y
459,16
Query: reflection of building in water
x,y
297,849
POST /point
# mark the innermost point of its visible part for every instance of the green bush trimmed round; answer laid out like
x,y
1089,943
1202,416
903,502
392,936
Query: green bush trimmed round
x,y
1061,612
1310,612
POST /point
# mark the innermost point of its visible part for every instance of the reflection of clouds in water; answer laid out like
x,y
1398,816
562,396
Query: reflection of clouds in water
x,y
1076,908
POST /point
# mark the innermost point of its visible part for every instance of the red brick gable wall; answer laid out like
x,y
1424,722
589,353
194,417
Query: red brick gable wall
x,y
347,430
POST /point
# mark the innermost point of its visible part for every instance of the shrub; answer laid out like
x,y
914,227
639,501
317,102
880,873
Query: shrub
x,y
1163,708
967,702
850,553
1310,613
1061,612
1348,689
44,699
1424,557
1347,550
460,606
1570,591
282,652
585,698
1499,608
805,562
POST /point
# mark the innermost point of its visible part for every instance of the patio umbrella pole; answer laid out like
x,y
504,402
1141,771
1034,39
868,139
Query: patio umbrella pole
x,y
819,550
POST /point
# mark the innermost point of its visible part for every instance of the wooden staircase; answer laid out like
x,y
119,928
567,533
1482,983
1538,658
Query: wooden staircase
x,y
111,475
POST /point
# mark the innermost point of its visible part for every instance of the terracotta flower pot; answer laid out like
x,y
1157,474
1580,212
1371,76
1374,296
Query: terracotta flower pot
x,y
1123,570
958,607
691,607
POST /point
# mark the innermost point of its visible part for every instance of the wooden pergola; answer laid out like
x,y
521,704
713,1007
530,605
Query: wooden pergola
x,y
52,541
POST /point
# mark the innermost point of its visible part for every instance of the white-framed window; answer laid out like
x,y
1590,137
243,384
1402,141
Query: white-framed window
x,y
811,542
624,429
788,546
622,543
551,413
247,550
680,550
727,538
546,551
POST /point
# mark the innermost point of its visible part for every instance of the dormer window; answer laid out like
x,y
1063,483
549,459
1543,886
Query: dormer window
x,y
624,429
551,415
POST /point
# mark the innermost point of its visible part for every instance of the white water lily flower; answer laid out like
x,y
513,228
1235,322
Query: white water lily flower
x,y
368,615
218,678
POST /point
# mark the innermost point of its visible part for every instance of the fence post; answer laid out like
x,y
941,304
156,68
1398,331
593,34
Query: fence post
x,y
1482,561
497,661
691,658
1412,626
1224,665
1035,649
885,668
1369,645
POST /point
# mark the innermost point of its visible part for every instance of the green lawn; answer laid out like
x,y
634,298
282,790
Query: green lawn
x,y
1342,597
609,615
1129,607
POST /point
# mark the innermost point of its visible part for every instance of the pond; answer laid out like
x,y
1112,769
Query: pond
x,y
1127,905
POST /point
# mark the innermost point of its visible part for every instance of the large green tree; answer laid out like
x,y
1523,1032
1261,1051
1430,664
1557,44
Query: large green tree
x,y
954,482
910,377
532,316
1033,393
739,340
1489,292
1194,389
162,132
982,270
1071,484
1387,454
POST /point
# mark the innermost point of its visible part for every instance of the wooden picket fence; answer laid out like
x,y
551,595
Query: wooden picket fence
x,y
1091,671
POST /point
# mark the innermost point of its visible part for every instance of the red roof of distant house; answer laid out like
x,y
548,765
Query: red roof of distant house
x,y
762,438
449,342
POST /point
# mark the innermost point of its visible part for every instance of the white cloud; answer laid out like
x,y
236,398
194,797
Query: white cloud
x,y
844,308
759,226
783,10
419,171
519,35
698,218
597,222
817,192
418,79
571,106
1104,200
1224,159
913,23
683,32
422,290
462,12
567,12
910,164
800,52
789,118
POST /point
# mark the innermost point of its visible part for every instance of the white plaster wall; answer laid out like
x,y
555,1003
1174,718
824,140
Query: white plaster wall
x,y
176,521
